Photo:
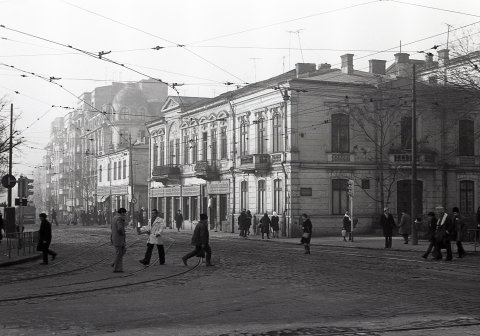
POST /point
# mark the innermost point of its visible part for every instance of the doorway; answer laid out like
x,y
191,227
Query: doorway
x,y
404,198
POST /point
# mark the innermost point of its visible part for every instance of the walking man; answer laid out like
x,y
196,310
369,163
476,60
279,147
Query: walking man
x,y
178,220
54,217
45,238
387,223
460,229
154,231
118,239
443,233
404,227
200,240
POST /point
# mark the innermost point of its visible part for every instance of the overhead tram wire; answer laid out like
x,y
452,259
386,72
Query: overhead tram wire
x,y
435,8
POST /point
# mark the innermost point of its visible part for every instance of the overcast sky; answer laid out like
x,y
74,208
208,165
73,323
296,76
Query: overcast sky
x,y
204,45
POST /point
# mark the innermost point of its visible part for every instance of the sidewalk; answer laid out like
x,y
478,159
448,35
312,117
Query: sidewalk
x,y
360,242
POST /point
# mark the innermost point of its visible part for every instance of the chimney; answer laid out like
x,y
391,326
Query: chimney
x,y
443,57
428,60
347,63
377,66
402,63
304,68
324,66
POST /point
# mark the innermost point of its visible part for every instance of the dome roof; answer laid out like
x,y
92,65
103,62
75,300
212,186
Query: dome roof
x,y
130,96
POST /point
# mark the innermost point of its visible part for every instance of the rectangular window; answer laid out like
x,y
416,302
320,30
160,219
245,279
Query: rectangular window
x,y
467,198
109,172
100,174
155,154
277,134
162,151
261,197
277,195
119,170
466,138
213,135
406,132
124,169
243,139
114,171
339,196
340,133
186,150
177,151
194,148
261,136
204,146
244,195
223,143
171,152
223,207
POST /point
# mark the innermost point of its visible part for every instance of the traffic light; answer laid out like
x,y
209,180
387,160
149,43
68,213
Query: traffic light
x,y
28,187
351,187
21,187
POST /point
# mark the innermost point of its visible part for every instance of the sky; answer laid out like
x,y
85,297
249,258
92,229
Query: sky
x,y
202,45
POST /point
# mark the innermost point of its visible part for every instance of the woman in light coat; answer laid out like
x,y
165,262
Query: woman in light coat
x,y
154,231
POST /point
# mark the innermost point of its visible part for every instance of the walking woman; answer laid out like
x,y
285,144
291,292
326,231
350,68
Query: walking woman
x,y
307,232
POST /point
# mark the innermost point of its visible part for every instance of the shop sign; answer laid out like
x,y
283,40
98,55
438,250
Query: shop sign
x,y
218,187
191,190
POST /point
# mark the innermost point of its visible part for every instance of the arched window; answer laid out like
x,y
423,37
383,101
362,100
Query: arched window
x,y
467,197
339,196
155,153
261,197
340,133
244,195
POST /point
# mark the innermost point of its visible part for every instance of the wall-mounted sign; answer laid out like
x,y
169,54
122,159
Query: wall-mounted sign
x,y
305,191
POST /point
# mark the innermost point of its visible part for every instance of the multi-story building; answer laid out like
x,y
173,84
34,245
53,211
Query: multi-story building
x,y
107,122
290,144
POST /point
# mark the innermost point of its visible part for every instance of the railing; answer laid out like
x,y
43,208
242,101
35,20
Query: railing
x,y
16,244
255,162
406,158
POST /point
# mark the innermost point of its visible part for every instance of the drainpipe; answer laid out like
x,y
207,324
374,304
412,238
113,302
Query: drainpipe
x,y
286,98
234,163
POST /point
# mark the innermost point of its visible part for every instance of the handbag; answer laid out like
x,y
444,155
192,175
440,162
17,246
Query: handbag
x,y
306,235
344,233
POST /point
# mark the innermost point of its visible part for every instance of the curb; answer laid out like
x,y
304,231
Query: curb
x,y
20,261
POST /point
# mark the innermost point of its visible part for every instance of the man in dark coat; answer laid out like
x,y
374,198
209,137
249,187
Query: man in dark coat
x,y
444,233
200,240
45,238
178,220
243,223
265,225
387,223
460,229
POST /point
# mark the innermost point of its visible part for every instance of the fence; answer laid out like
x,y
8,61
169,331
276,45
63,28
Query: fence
x,y
19,243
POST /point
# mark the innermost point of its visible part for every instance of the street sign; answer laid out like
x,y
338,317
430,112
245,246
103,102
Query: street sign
x,y
134,200
9,181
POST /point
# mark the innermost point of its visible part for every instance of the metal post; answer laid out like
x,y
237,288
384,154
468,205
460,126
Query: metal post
x,y
413,187
351,216
10,155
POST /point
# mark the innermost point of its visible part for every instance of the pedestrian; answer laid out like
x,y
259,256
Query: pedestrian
x,y
265,225
405,226
242,223
460,231
432,226
154,231
45,238
387,223
249,222
178,220
54,217
255,224
347,226
443,233
118,239
307,230
1,227
275,224
200,239
477,232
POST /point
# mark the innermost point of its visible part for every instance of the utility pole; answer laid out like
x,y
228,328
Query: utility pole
x,y
10,155
413,186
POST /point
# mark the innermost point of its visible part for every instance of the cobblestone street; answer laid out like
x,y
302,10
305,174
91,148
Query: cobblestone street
x,y
255,288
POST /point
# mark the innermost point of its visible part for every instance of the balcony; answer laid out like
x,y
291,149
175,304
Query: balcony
x,y
341,157
406,158
255,163
206,171
166,174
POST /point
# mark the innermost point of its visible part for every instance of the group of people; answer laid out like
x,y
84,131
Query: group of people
x,y
154,230
266,224
443,228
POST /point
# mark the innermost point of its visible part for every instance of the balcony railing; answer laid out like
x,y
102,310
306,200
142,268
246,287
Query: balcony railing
x,y
256,163
166,174
406,158
206,171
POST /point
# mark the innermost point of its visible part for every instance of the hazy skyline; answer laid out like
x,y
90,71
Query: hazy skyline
x,y
199,44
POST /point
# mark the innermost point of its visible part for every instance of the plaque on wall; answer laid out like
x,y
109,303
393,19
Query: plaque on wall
x,y
305,191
